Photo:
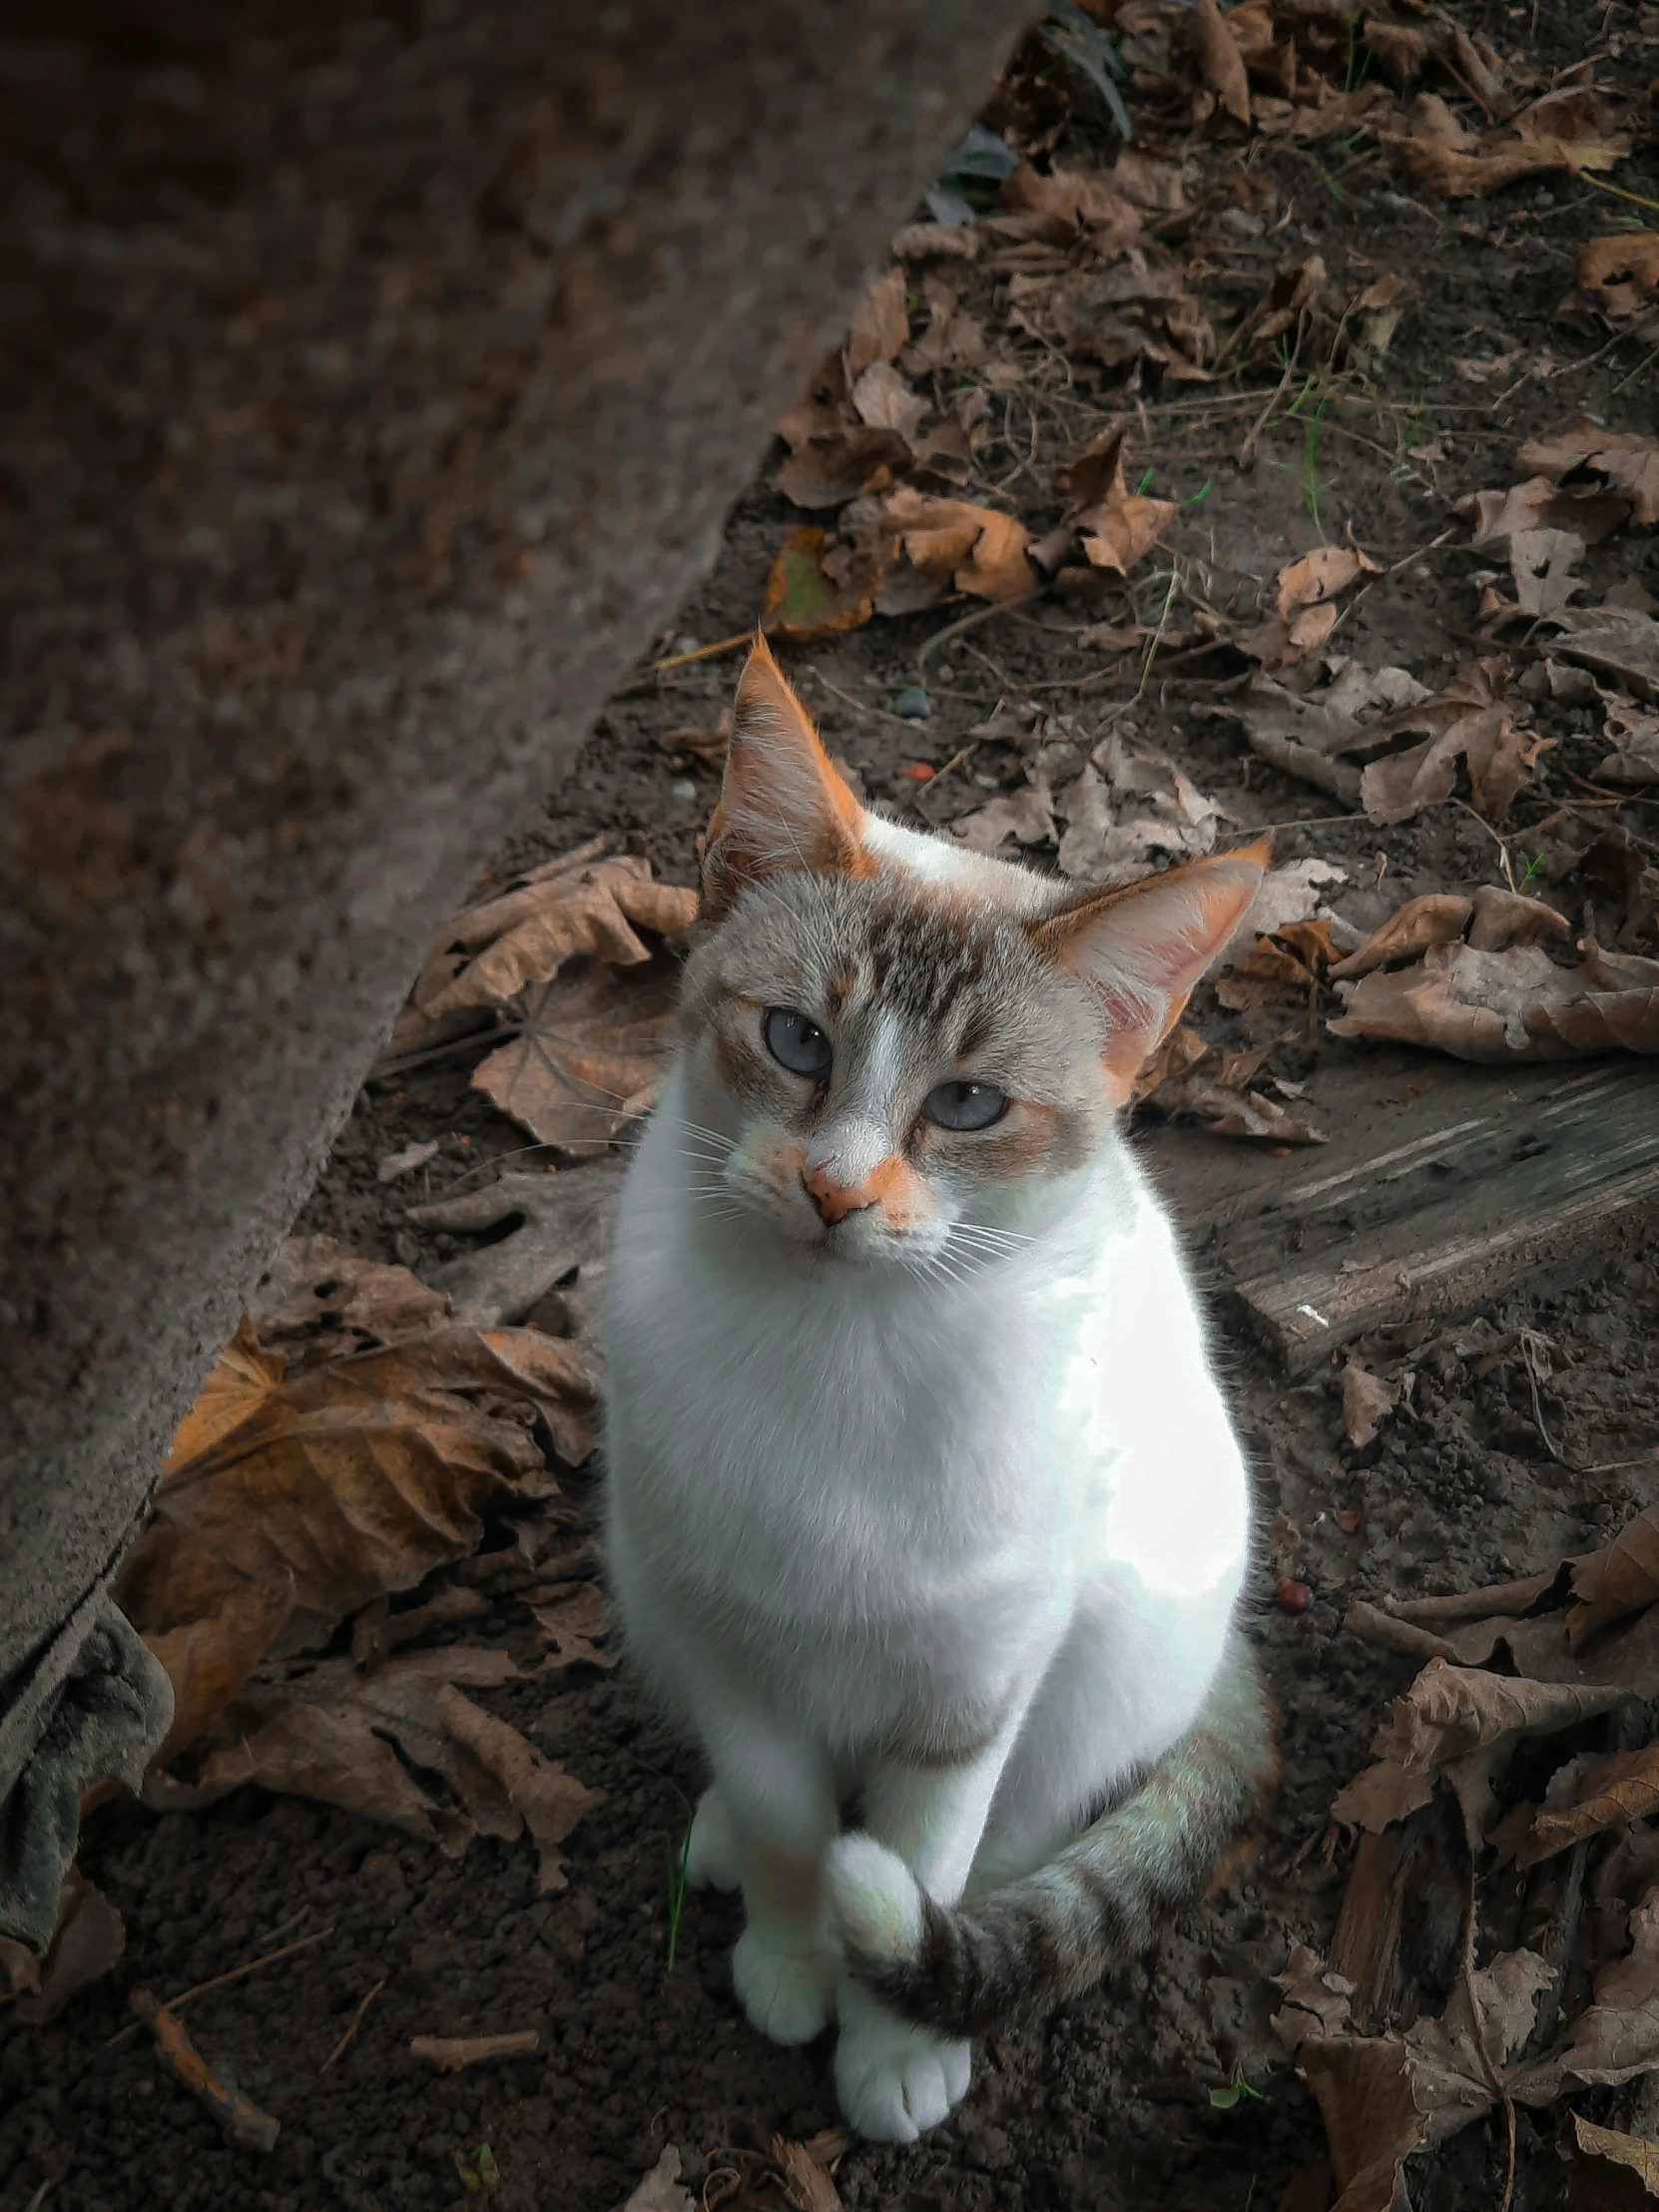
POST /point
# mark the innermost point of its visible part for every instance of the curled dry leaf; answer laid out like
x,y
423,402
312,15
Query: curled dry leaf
x,y
86,1942
1621,1787
956,546
551,915
1219,59
1619,1578
1515,1004
880,324
1438,917
1128,808
1635,737
1450,1710
568,1621
1567,130
1024,816
1640,2156
803,603
549,1801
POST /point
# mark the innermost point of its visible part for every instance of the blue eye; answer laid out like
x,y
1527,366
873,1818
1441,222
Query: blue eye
x,y
797,1044
965,1105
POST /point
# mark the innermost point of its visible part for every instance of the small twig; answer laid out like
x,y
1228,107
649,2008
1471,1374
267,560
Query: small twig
x,y
648,675
475,1041
450,2053
1618,191
861,706
971,622
357,2022
222,1980
1405,558
1247,451
243,2121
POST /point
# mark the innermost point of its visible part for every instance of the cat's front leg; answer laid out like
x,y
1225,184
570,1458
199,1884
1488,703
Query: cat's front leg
x,y
772,1818
896,2079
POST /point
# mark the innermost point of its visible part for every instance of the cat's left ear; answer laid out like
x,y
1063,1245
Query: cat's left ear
x,y
1142,949
783,805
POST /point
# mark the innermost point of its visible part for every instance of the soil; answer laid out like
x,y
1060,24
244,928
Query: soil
x,y
1109,2102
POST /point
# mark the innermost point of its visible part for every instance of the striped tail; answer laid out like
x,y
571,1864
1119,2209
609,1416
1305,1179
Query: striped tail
x,y
1056,1932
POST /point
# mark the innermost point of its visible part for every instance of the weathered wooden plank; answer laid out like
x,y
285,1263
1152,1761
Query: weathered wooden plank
x,y
1436,1191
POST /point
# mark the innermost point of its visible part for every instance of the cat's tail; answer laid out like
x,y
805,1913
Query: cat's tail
x,y
1056,1932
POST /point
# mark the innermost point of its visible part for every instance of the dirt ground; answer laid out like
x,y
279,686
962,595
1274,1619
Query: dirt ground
x,y
1109,2102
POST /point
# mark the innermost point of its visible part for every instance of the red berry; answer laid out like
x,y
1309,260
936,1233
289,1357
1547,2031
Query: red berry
x,y
1294,1598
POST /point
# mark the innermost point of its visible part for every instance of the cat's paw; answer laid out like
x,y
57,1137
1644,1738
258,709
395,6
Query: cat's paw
x,y
894,2081
786,1987
712,1848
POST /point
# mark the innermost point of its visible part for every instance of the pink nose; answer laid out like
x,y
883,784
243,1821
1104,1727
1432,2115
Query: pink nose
x,y
834,1201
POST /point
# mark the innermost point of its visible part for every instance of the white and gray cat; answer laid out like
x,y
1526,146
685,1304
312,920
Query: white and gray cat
x,y
925,1513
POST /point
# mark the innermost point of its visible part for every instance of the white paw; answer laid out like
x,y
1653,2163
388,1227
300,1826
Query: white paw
x,y
894,2081
712,1851
785,1985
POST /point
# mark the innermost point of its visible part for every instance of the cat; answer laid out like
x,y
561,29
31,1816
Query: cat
x,y
924,1504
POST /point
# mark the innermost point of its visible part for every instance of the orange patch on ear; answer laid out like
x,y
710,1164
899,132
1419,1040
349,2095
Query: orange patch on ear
x,y
783,805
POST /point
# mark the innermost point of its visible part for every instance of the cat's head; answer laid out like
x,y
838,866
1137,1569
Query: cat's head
x,y
892,1047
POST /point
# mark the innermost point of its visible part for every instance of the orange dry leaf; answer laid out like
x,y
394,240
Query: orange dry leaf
x,y
1219,59
1564,130
1509,1004
1626,460
1611,1791
880,324
1620,1578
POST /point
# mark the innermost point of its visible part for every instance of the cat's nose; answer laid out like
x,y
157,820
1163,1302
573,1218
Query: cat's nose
x,y
834,1201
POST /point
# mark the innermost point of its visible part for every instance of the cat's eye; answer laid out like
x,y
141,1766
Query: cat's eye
x,y
964,1105
797,1044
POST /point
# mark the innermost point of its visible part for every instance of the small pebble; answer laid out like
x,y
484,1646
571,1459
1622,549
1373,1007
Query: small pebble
x,y
684,790
912,704
1294,1598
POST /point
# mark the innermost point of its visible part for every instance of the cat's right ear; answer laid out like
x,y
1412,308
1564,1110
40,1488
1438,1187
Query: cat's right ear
x,y
784,806
1141,949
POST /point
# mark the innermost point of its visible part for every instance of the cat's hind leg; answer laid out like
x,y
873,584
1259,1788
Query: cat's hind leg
x,y
712,1857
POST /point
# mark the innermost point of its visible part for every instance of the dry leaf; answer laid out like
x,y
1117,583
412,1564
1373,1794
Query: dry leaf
x,y
560,1223
1624,2150
1128,809
804,2174
880,324
568,1624
1515,1004
955,546
589,1057
1621,1787
1318,576
1367,1403
319,1301
660,2191
550,1801
1627,462
1438,917
802,603
1622,641
335,1486
552,916
1026,816
87,1944
1564,130
1622,1577
1219,59
1381,1797
1619,274
1450,1710
1635,737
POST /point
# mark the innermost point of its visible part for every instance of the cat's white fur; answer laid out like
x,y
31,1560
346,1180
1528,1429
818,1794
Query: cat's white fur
x,y
844,1495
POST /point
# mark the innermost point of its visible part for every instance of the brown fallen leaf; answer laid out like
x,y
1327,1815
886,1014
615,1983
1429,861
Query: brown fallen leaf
x,y
1367,1403
454,2053
1323,574
1566,130
552,915
1623,642
803,602
1292,963
1450,1710
1118,527
1060,206
560,1224
1024,817
86,1942
1640,2156
1438,918
590,1055
1627,462
880,324
568,1624
955,546
1219,59
1619,1578
320,1300
1129,807
1622,1785
954,339
1619,276
1515,1004
1385,1794
803,2171
1635,739
550,1801
1617,2036
661,2190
